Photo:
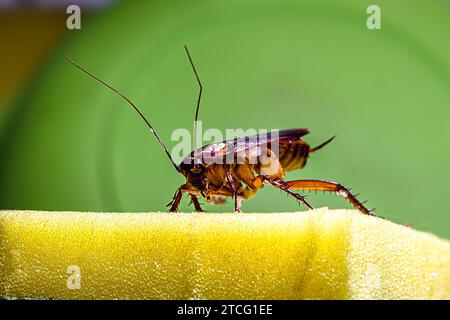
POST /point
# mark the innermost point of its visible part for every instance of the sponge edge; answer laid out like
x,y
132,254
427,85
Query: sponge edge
x,y
321,254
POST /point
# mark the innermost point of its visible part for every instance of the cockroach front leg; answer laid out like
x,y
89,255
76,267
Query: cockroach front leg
x,y
174,204
196,203
322,185
230,182
280,184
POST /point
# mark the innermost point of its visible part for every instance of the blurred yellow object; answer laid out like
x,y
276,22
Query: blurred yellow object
x,y
322,254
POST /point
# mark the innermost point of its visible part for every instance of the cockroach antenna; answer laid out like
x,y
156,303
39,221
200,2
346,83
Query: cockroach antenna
x,y
196,146
134,107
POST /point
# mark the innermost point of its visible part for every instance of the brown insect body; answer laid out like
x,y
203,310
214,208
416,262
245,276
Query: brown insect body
x,y
255,161
216,177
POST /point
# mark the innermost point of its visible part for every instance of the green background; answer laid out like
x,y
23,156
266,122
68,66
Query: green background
x,y
70,144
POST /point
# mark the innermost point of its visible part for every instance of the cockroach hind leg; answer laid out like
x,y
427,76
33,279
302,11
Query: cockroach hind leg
x,y
280,184
323,185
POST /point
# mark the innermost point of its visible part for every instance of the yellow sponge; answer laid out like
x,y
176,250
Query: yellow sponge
x,y
320,254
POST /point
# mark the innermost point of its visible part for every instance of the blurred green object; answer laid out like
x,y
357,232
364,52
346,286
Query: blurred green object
x,y
73,145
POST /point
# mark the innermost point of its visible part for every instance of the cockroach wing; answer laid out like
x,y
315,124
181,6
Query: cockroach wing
x,y
225,151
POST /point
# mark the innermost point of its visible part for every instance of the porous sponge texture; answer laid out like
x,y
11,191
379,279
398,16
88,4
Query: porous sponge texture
x,y
320,254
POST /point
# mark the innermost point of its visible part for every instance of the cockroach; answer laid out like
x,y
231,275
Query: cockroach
x,y
241,180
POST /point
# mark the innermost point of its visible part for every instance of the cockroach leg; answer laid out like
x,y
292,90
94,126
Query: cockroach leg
x,y
176,199
330,186
230,182
280,184
174,204
196,203
237,204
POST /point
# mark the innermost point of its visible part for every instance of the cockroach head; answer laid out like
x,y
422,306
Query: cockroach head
x,y
195,173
